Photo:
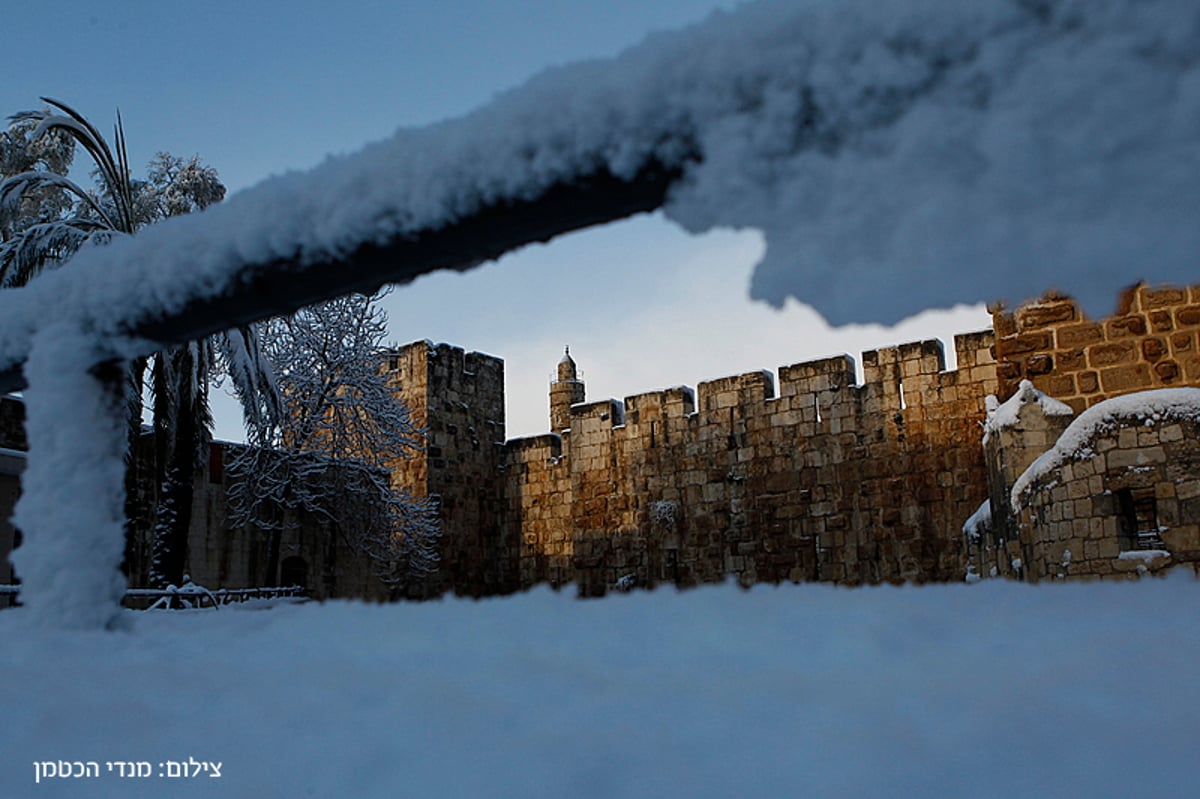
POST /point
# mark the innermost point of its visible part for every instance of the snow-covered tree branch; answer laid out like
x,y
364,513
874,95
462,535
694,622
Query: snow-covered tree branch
x,y
328,455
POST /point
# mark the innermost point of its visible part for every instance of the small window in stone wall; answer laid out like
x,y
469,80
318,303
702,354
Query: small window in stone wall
x,y
1139,519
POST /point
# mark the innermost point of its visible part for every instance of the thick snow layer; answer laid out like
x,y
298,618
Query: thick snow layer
x,y
72,504
1008,413
991,690
1142,408
898,156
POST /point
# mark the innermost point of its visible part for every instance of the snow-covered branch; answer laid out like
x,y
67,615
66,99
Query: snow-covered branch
x,y
328,453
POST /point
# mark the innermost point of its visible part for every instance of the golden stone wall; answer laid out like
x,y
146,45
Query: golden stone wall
x,y
1152,341
815,477
458,398
822,480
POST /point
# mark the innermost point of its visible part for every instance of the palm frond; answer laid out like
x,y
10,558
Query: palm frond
x,y
114,171
31,250
15,188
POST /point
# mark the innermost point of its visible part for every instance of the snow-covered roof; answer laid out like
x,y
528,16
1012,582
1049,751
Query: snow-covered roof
x,y
1008,413
1142,409
880,147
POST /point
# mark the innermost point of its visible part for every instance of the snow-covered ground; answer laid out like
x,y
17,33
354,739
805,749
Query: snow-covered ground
x,y
996,689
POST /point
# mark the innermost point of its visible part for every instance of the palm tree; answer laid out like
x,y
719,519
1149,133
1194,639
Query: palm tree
x,y
179,376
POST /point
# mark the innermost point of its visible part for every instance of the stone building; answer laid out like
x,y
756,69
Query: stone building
x,y
1110,493
806,475
1120,491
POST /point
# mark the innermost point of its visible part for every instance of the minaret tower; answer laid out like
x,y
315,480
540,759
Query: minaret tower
x,y
566,391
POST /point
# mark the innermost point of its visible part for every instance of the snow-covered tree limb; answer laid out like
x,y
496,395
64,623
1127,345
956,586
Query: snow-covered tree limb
x,y
328,454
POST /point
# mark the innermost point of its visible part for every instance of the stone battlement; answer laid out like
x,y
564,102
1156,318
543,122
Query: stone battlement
x,y
907,370
740,478
807,474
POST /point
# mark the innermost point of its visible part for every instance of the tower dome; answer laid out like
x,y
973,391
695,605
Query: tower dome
x,y
566,366
565,391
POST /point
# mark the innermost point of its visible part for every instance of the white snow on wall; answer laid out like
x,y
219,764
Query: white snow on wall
x,y
979,521
1143,408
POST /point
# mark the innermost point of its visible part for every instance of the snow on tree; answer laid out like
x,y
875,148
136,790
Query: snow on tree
x,y
342,425
46,217
50,154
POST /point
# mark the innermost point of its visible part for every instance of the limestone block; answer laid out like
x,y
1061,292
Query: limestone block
x,y
1171,432
1139,456
1184,538
1187,489
1188,316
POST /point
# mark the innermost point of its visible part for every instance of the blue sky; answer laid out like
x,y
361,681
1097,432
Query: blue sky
x,y
262,88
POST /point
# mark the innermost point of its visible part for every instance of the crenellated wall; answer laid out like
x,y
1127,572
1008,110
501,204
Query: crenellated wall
x,y
821,479
458,398
807,476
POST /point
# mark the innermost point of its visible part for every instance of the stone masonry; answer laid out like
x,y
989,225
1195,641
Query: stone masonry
x,y
807,476
821,480
1128,504
816,478
1152,341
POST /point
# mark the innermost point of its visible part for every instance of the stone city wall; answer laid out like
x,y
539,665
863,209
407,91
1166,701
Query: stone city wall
x,y
458,398
824,480
1152,341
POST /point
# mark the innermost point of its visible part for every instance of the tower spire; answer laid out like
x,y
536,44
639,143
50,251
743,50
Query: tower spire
x,y
565,391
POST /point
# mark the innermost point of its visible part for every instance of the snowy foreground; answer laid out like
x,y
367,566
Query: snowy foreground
x,y
996,689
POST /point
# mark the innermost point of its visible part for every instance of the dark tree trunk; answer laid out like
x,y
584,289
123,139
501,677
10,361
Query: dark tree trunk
x,y
179,434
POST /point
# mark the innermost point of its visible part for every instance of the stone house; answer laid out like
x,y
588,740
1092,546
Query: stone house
x,y
1112,493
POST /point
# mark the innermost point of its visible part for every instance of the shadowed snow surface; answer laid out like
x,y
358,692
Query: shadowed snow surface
x,y
995,689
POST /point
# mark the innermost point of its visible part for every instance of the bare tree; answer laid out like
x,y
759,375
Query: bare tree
x,y
340,428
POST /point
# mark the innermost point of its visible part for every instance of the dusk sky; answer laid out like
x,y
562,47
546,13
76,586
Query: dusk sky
x,y
259,89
